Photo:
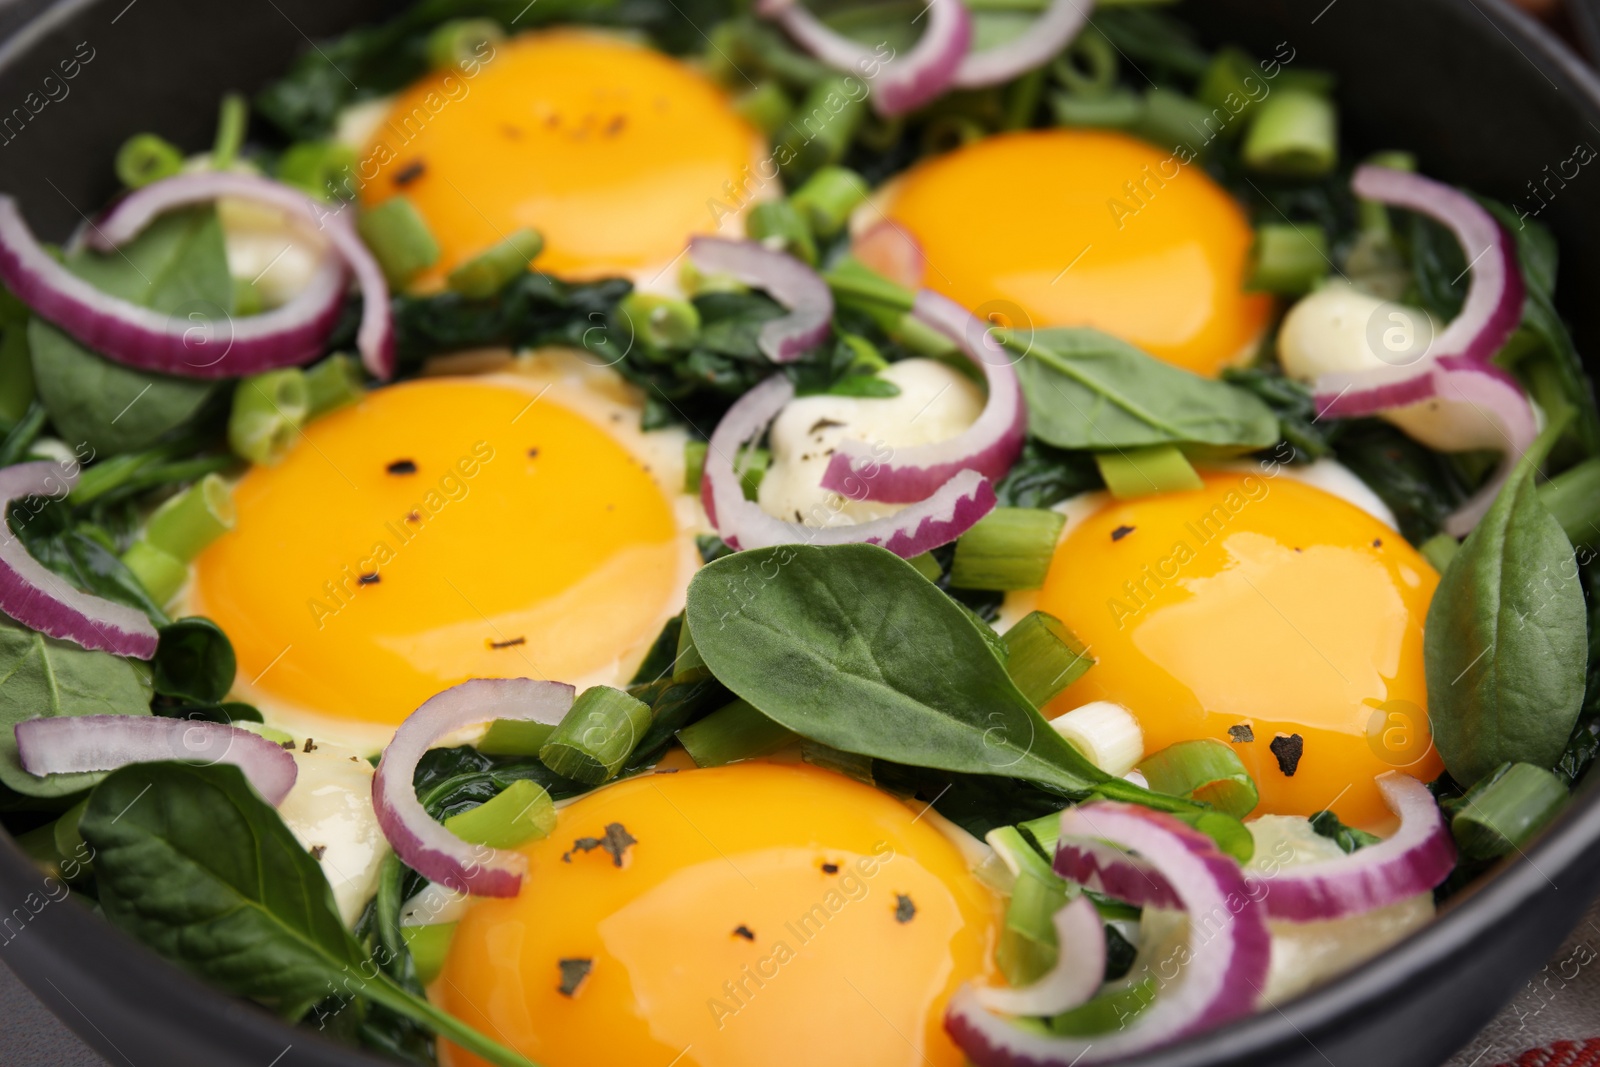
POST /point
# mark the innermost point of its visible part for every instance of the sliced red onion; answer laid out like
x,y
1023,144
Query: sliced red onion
x,y
1417,857
68,745
904,83
1494,395
892,252
425,845
1038,44
1224,963
989,446
945,515
787,280
153,341
1079,970
131,214
1489,315
39,598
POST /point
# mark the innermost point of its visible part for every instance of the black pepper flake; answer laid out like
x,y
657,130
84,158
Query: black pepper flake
x,y
1377,542
666,770
413,516
311,746
1120,532
830,868
409,173
573,972
402,466
1241,734
745,932
513,132
1288,750
904,910
533,453
615,126
317,852
616,841
798,517
513,642
287,744
369,579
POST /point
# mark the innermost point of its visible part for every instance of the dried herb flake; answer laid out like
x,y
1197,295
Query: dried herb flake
x,y
616,842
1288,750
573,972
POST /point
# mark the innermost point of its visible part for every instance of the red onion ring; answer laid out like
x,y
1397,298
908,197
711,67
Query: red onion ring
x,y
787,280
906,82
67,745
1037,45
131,214
1495,395
40,599
893,253
1489,315
1414,859
1079,970
989,446
153,341
425,845
1225,966
947,514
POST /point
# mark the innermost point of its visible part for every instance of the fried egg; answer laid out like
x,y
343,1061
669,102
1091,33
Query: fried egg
x,y
615,153
1261,611
514,524
1085,228
707,916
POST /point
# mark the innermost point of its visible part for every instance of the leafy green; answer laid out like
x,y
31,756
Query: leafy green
x,y
194,661
178,266
192,862
850,646
1292,403
1043,477
85,556
1327,824
1088,390
1506,641
40,676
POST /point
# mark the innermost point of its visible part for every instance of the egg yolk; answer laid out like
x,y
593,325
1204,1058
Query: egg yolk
x,y
1087,228
615,153
1265,614
436,531
764,914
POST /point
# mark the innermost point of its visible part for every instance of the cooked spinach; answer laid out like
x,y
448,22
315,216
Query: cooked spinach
x,y
1088,390
1506,641
177,266
1348,838
1421,487
192,862
40,676
1292,403
1044,476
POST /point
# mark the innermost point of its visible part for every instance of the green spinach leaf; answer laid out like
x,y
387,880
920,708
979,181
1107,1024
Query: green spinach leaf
x,y
194,661
850,646
178,265
1088,390
192,862
1506,643
40,676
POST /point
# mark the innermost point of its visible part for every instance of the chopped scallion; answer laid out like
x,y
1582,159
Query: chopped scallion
x,y
1171,119
247,298
596,735
766,107
1027,948
856,285
1288,259
1089,65
779,224
1205,770
1225,88
321,168
1138,472
927,566
428,945
145,158
1009,548
1294,133
867,360
732,733
268,413
1506,809
1105,733
400,240
1120,109
488,272
820,131
1043,657
523,811
694,464
752,466
193,519
1374,216
1107,1013
333,383
232,118
828,197
661,323
459,43
515,737
161,574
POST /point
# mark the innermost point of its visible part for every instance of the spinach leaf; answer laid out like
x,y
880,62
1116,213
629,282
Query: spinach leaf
x,y
194,661
1043,476
850,646
1292,403
1506,642
1088,390
40,676
177,265
192,862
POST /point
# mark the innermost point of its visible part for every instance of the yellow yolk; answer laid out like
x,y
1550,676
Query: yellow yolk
x,y
768,914
610,150
1087,228
438,530
1261,604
